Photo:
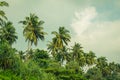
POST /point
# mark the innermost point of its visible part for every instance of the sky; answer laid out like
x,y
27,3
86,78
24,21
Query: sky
x,y
95,24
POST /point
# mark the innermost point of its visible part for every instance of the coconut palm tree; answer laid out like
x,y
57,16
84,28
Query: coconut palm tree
x,y
90,58
63,55
33,30
101,62
7,32
103,66
78,54
52,48
61,37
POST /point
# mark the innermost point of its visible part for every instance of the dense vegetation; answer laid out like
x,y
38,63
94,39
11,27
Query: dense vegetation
x,y
58,62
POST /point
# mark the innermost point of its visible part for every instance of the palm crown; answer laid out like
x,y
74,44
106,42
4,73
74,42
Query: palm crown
x,y
62,37
32,29
7,32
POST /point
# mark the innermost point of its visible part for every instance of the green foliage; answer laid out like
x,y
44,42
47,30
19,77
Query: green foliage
x,y
62,37
41,57
48,76
90,58
8,75
78,55
3,3
65,63
29,71
33,30
7,56
94,74
7,32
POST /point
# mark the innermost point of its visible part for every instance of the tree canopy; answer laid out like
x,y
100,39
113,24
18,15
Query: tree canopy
x,y
57,62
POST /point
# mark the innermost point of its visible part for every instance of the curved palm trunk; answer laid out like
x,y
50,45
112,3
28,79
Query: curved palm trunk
x,y
29,45
27,51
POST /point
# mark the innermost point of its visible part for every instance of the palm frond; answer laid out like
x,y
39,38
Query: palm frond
x,y
3,3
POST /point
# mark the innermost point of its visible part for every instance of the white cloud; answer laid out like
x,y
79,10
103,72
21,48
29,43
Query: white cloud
x,y
83,19
100,36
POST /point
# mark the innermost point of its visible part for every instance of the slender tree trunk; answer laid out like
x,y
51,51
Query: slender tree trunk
x,y
29,45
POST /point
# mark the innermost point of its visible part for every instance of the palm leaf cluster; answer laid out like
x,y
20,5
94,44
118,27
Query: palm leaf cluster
x,y
62,37
33,30
7,32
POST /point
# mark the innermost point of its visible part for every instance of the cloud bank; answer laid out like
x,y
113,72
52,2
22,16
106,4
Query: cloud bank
x,y
102,37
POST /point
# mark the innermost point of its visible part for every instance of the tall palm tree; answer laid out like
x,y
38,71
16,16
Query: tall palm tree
x,y
52,48
90,58
63,55
7,32
78,54
103,66
33,31
101,62
61,37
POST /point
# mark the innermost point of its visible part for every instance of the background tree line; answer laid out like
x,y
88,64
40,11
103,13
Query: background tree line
x,y
58,62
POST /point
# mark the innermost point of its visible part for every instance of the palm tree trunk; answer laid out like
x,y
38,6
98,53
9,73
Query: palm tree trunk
x,y
29,45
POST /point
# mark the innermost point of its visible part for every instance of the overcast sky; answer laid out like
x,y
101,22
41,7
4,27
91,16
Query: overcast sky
x,y
95,24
